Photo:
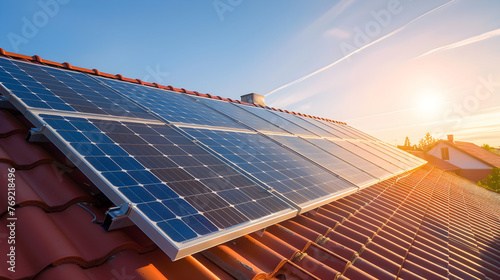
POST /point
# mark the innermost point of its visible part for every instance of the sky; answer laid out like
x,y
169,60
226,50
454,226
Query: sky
x,y
391,68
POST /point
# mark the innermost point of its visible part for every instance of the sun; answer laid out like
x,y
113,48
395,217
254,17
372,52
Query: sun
x,y
429,102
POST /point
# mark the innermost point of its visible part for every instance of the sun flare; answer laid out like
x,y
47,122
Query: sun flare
x,y
429,102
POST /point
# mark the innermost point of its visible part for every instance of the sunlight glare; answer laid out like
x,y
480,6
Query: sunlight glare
x,y
429,102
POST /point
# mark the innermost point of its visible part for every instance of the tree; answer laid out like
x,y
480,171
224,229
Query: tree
x,y
489,148
407,142
426,142
493,180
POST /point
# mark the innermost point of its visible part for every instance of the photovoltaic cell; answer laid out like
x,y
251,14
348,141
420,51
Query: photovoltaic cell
x,y
376,158
361,163
332,130
302,122
242,116
50,88
331,162
183,189
289,174
277,120
172,106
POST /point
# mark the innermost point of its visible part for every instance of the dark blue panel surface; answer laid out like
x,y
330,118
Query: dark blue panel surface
x,y
172,106
171,179
287,173
331,162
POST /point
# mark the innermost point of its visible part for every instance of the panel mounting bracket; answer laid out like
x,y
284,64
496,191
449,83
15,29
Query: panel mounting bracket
x,y
5,103
117,217
37,135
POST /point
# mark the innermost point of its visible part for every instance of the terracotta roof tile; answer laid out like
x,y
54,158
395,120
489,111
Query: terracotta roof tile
x,y
426,224
473,149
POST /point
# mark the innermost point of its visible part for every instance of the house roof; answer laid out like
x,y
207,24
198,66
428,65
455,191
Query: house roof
x,y
445,165
474,151
426,223
38,60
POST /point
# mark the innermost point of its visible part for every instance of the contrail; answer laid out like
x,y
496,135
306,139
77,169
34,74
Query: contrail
x,y
466,42
358,50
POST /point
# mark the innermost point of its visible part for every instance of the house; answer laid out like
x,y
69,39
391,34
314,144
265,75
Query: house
x,y
475,163
424,223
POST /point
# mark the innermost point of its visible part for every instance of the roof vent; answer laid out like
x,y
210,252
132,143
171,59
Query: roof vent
x,y
450,138
254,98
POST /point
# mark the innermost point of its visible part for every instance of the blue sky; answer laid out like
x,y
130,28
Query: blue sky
x,y
392,68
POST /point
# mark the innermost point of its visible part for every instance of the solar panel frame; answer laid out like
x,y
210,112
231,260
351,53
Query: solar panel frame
x,y
174,249
248,156
65,90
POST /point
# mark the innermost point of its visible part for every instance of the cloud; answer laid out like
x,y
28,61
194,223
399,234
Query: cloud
x,y
357,50
337,32
468,41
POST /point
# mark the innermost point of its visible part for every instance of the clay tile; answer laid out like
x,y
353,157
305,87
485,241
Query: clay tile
x,y
2,51
67,65
237,101
183,90
156,85
119,76
229,99
209,95
96,72
140,81
170,87
37,58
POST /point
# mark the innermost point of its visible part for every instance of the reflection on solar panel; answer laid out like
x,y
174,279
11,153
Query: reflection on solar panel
x,y
277,120
184,191
49,88
242,116
298,179
304,124
172,106
352,158
331,162
194,172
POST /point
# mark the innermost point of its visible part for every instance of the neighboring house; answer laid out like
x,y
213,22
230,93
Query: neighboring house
x,y
474,162
425,223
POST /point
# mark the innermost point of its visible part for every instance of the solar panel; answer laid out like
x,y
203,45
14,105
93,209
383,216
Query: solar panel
x,y
376,158
51,88
242,116
296,178
325,159
276,120
195,172
361,163
297,120
184,192
172,106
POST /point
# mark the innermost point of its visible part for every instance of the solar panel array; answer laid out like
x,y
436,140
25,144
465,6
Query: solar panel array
x,y
194,171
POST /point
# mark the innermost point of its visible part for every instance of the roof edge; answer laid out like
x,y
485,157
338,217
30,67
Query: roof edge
x,y
38,60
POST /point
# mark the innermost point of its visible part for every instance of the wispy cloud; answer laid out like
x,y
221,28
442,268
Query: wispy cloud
x,y
358,50
337,32
468,41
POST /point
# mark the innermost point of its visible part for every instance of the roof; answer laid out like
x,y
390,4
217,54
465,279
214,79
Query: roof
x,y
426,223
38,60
445,165
474,151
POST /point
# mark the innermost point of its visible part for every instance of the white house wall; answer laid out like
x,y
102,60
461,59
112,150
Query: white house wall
x,y
458,158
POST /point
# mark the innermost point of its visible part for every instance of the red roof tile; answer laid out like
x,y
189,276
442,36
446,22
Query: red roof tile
x,y
425,224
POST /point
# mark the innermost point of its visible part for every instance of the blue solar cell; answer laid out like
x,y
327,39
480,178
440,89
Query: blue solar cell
x,y
327,160
147,174
50,88
242,116
172,106
276,120
259,156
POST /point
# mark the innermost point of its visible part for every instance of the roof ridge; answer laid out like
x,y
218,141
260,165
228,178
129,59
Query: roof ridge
x,y
38,60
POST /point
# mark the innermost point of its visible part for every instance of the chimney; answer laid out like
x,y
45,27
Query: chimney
x,y
450,138
253,98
